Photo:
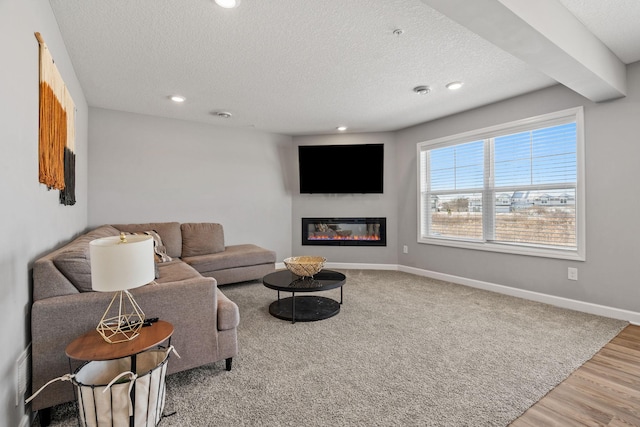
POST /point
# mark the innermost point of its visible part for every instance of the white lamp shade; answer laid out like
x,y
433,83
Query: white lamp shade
x,y
118,266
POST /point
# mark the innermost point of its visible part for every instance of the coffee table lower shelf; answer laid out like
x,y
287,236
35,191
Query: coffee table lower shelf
x,y
304,308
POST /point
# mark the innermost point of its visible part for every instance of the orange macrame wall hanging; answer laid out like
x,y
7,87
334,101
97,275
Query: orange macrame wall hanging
x,y
57,129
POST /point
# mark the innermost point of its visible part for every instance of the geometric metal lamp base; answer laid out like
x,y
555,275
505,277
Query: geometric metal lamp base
x,y
126,324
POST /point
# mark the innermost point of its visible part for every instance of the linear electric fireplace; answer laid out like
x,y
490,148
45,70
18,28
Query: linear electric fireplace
x,y
344,231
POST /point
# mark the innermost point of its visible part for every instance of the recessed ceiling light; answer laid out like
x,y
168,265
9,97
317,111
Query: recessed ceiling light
x,y
228,4
223,114
177,98
422,90
341,128
454,85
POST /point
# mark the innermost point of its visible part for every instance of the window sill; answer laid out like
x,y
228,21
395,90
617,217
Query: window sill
x,y
537,251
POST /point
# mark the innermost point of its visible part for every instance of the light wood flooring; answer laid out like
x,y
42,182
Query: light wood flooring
x,y
605,391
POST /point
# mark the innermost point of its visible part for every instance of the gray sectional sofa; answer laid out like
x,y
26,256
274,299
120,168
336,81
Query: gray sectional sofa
x,y
192,260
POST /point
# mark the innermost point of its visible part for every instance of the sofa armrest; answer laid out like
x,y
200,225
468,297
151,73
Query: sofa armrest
x,y
190,305
228,313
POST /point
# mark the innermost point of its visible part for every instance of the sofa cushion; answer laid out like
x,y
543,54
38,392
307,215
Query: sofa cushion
x,y
73,260
159,249
76,266
201,239
176,271
169,233
234,256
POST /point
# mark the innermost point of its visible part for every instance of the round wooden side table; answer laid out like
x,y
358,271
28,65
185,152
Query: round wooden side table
x,y
91,346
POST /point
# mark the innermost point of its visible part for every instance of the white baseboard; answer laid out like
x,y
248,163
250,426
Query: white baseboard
x,y
585,307
632,317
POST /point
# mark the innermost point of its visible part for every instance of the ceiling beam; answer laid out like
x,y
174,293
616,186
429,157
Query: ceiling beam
x,y
545,35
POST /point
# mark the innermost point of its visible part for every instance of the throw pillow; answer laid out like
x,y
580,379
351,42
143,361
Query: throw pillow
x,y
74,264
201,239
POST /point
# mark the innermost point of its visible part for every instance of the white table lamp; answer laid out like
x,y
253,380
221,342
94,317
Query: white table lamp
x,y
117,265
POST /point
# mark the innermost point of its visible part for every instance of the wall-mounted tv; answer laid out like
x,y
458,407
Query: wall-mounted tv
x,y
341,168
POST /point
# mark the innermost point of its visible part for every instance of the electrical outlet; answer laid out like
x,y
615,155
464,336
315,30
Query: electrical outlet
x,y
573,273
405,249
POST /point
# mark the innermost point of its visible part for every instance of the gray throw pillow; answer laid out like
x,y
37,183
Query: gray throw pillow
x,y
74,264
201,239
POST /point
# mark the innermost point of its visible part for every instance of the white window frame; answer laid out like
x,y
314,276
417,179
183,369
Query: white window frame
x,y
545,120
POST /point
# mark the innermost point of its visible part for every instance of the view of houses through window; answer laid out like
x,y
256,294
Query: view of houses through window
x,y
515,188
546,218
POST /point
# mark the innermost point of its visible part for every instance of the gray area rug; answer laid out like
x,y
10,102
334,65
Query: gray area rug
x,y
404,351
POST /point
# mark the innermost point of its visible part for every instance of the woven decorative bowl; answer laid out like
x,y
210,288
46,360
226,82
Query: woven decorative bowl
x,y
305,266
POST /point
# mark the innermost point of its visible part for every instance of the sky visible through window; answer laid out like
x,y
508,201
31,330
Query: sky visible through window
x,y
537,157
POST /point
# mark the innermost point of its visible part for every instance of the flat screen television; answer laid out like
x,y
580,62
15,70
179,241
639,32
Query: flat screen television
x,y
341,168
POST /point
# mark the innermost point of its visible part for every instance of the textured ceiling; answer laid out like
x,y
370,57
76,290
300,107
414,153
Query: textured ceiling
x,y
615,22
301,66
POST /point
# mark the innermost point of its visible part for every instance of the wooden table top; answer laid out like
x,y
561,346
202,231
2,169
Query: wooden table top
x,y
91,346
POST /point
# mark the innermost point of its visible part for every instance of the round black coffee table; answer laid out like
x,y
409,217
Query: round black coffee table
x,y
306,308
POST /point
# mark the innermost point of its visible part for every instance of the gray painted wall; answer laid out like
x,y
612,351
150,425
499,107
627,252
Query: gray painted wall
x,y
349,205
32,221
145,168
610,274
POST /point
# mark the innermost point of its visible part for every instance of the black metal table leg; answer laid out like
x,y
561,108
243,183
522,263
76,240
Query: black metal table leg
x,y
293,307
132,418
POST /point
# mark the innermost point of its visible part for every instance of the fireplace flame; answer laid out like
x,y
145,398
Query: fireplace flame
x,y
337,237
